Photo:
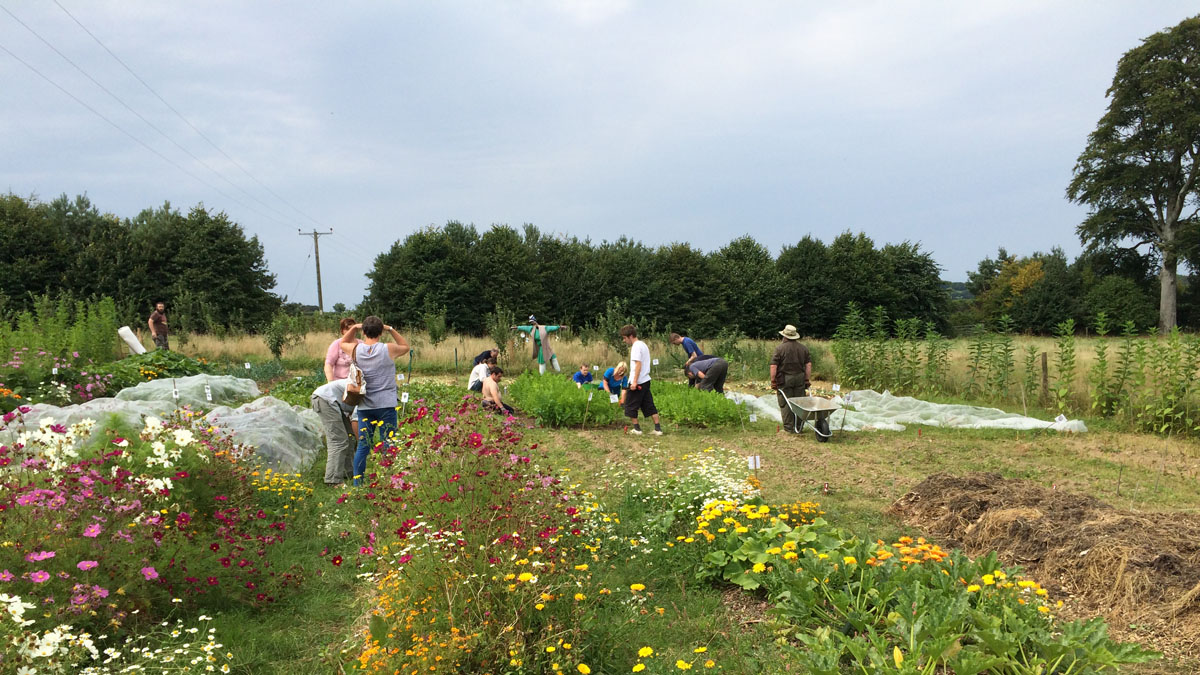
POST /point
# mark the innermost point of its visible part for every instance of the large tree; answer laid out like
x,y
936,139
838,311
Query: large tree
x,y
1138,173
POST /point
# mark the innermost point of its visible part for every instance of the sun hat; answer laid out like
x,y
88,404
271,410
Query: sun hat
x,y
789,332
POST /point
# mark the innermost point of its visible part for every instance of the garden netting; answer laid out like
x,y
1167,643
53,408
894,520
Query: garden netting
x,y
286,438
225,389
869,410
129,413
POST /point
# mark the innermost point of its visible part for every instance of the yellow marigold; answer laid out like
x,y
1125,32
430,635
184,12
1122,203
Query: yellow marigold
x,y
699,650
683,665
525,576
580,597
583,668
758,568
709,663
637,668
637,587
645,652
988,580
973,587
849,560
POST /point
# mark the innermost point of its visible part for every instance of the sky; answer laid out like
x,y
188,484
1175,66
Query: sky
x,y
952,124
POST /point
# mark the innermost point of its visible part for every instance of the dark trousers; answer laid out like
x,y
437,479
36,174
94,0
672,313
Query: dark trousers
x,y
160,341
714,377
793,386
383,419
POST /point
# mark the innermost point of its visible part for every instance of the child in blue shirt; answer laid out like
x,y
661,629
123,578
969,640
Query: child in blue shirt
x,y
582,376
615,380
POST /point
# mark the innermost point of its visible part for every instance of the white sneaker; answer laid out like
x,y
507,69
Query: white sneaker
x,y
656,432
636,432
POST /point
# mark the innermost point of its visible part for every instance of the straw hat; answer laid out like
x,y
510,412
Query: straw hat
x,y
789,332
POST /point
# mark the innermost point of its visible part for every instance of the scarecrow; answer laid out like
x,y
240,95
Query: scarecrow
x,y
542,351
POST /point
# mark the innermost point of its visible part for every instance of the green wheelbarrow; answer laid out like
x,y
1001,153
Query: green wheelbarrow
x,y
814,411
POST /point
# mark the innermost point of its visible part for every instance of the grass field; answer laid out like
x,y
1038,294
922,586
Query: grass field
x,y
855,478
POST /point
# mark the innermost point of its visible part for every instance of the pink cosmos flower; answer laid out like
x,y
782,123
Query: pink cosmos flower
x,y
92,530
38,556
150,573
85,565
6,576
39,576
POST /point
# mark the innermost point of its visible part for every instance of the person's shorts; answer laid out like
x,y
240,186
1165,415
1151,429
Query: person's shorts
x,y
640,399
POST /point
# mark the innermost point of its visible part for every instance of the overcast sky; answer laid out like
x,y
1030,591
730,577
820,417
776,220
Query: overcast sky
x,y
952,124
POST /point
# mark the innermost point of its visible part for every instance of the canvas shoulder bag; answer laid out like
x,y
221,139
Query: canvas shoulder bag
x,y
355,382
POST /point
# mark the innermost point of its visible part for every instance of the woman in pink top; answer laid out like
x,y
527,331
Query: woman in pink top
x,y
337,362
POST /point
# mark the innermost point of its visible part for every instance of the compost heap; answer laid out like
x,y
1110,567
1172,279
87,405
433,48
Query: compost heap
x,y
1141,571
867,410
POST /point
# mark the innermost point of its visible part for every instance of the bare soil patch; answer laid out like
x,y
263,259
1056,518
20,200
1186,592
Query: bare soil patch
x,y
1141,571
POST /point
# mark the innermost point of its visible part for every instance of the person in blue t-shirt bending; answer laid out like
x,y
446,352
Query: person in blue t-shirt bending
x,y
693,353
582,376
615,382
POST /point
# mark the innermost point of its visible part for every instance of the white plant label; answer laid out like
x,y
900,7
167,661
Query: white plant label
x,y
54,370
613,398
174,393
754,462
1061,418
247,365
207,393
400,377
595,367
753,417
654,362
404,397
837,387
590,395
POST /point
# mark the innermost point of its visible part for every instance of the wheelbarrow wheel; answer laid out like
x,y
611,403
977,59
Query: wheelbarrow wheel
x,y
822,427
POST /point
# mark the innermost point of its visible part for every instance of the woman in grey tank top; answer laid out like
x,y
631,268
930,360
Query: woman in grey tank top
x,y
378,407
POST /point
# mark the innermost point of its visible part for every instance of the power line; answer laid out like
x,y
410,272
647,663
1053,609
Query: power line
x,y
301,277
148,123
187,121
116,126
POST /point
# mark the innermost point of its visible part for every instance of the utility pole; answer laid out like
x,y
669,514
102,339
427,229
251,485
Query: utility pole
x,y
317,254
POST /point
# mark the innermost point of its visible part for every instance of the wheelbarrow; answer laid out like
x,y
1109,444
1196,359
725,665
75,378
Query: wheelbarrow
x,y
812,410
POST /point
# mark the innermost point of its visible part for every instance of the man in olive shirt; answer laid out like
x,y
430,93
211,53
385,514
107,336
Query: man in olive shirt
x,y
791,368
158,326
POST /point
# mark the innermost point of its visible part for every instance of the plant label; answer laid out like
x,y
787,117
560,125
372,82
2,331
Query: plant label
x,y
654,362
404,397
754,462
247,365
54,370
613,398
595,367
1061,418
837,387
174,393
590,395
753,417
207,393
847,399
400,377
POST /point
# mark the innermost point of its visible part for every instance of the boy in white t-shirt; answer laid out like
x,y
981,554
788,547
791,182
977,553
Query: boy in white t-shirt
x,y
479,373
638,396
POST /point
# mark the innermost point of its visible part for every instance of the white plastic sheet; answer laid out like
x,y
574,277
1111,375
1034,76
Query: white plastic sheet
x,y
225,389
871,411
285,437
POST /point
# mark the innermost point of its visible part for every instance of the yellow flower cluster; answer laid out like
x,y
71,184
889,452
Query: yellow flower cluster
x,y
907,552
728,516
289,485
1027,589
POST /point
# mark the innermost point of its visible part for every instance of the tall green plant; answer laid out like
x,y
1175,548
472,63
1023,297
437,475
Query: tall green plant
x,y
1064,362
499,325
1099,378
849,347
1000,359
908,353
937,361
1030,380
979,349
434,319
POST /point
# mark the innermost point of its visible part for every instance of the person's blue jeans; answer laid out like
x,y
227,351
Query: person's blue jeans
x,y
382,420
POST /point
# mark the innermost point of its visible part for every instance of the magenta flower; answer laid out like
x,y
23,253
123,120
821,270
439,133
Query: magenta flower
x,y
38,556
85,565
92,530
150,573
6,576
39,576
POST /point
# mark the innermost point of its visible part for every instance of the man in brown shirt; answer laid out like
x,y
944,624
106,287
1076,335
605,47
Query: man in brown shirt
x,y
791,368
158,326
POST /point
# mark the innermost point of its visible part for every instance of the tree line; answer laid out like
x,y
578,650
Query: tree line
x,y
211,275
469,274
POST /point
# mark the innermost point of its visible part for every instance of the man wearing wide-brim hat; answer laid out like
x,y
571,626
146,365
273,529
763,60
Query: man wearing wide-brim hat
x,y
791,368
